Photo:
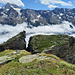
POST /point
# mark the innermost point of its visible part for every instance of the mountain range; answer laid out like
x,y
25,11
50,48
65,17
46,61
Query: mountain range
x,y
12,14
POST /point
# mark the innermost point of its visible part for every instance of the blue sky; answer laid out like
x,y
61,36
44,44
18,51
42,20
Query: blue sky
x,y
41,4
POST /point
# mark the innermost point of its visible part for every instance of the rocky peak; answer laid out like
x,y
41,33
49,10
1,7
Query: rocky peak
x,y
9,6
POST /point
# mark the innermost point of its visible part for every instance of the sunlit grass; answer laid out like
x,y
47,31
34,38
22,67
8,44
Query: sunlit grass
x,y
44,67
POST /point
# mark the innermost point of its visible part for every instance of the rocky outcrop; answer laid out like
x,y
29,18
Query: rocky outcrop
x,y
16,42
30,58
50,45
65,51
40,43
5,59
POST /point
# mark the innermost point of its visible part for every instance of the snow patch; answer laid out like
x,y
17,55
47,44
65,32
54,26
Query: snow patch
x,y
7,9
59,17
17,9
67,15
34,20
38,16
71,16
47,11
61,14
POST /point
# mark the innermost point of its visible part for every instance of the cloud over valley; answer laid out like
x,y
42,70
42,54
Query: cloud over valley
x,y
7,31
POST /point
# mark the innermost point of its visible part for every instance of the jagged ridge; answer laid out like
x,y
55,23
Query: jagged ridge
x,y
12,14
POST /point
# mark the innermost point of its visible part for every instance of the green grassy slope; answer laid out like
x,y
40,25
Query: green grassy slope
x,y
52,66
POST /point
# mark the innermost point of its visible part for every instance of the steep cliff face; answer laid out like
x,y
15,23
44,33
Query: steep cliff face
x,y
60,45
16,42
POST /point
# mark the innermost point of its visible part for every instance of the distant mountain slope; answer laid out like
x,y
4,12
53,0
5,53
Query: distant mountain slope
x,y
12,14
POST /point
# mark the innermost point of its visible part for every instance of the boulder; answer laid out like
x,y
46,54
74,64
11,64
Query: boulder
x,y
30,58
16,42
5,59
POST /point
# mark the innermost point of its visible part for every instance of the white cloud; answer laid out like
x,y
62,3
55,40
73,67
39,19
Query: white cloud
x,y
52,6
0,7
53,3
17,2
63,28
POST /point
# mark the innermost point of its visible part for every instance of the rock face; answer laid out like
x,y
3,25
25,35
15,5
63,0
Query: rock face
x,y
16,42
71,52
65,49
12,14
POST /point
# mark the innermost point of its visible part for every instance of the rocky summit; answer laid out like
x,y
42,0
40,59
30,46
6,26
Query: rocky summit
x,y
12,14
16,42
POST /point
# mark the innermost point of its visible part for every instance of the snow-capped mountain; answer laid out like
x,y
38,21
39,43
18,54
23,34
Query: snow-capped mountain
x,y
12,14
8,6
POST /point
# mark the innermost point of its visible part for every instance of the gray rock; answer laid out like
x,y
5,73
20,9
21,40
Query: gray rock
x,y
30,58
5,59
